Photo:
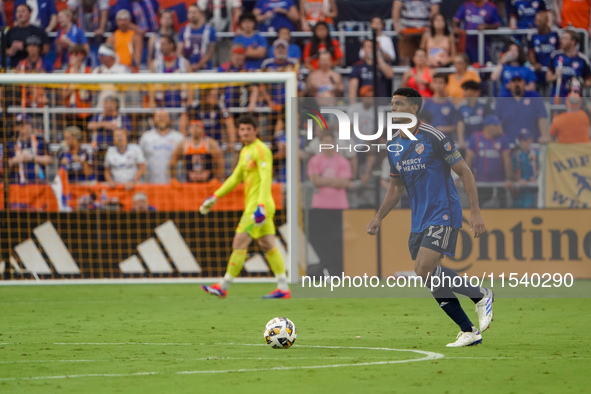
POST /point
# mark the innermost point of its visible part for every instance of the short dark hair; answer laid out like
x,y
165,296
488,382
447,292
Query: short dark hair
x,y
247,16
414,97
443,76
248,119
170,38
573,35
471,85
26,5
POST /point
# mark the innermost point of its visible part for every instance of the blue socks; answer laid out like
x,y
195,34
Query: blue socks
x,y
465,288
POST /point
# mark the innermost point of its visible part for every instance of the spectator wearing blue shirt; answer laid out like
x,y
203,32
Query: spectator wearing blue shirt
x,y
525,169
522,13
511,65
362,73
27,156
476,15
471,112
76,160
68,35
238,96
444,116
254,44
541,45
43,13
102,125
294,51
197,40
569,62
524,109
272,15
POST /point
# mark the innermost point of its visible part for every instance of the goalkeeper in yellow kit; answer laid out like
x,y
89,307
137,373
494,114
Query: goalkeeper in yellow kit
x,y
255,169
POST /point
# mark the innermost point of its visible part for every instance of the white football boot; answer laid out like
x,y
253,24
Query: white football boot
x,y
467,339
484,309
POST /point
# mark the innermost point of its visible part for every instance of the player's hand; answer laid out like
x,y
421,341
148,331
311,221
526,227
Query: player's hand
x,y
208,204
477,224
373,226
260,216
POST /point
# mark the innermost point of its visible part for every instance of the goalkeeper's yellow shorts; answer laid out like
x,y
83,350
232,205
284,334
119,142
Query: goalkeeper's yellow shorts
x,y
247,225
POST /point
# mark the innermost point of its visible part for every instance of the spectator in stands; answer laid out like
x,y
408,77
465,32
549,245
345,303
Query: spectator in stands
x,y
125,163
224,16
541,46
109,65
217,121
330,173
145,15
234,96
510,65
43,13
169,62
254,44
28,155
488,155
325,82
568,62
419,76
127,42
313,147
20,31
444,115
524,109
314,11
362,73
522,13
572,126
573,13
438,42
274,14
158,145
69,34
472,111
524,163
294,51
476,15
102,125
74,96
166,29
462,74
364,108
32,96
2,24
411,20
77,160
197,40
385,45
321,41
140,203
203,159
92,15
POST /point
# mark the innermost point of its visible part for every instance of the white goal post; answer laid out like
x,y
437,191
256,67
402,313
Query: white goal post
x,y
289,79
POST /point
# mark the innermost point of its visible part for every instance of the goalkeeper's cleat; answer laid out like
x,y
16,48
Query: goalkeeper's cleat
x,y
278,294
471,338
484,309
208,204
215,290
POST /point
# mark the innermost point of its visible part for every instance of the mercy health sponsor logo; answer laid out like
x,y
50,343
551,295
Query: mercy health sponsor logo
x,y
388,121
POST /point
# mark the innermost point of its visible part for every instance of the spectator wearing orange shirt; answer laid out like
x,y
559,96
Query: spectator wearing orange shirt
x,y
572,126
127,42
321,41
576,13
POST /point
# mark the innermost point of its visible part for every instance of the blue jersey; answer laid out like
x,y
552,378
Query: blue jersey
x,y
543,45
234,96
212,117
487,164
509,72
28,172
74,169
525,11
576,66
277,90
472,16
425,169
278,20
473,117
364,73
256,40
45,10
517,115
196,42
416,13
442,114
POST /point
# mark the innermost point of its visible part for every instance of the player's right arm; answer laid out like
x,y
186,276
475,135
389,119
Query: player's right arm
x,y
393,195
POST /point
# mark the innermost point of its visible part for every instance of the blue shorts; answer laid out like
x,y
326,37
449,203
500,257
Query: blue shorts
x,y
439,238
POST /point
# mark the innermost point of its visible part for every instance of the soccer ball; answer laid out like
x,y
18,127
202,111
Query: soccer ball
x,y
280,333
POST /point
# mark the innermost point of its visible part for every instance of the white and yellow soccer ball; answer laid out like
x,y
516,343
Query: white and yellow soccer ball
x,y
280,333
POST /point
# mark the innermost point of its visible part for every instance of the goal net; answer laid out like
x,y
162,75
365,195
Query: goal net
x,y
103,175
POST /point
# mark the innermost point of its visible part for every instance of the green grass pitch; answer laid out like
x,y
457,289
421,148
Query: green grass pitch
x,y
177,339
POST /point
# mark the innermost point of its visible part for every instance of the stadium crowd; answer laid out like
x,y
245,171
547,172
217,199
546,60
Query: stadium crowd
x,y
188,133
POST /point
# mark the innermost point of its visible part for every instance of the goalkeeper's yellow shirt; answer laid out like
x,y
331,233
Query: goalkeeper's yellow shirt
x,y
255,169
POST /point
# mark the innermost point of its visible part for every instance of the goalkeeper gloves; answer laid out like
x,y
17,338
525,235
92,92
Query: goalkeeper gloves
x,y
208,204
260,216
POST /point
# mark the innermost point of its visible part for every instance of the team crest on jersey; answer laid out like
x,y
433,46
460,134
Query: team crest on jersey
x,y
445,217
526,101
552,40
419,148
447,146
497,146
479,111
575,65
445,111
535,4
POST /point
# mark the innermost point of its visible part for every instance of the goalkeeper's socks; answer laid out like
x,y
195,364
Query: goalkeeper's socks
x,y
282,282
226,282
234,267
462,286
451,305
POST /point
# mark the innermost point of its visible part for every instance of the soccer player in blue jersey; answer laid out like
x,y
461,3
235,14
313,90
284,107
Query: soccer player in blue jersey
x,y
423,167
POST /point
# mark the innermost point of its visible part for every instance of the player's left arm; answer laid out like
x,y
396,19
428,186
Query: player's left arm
x,y
476,222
